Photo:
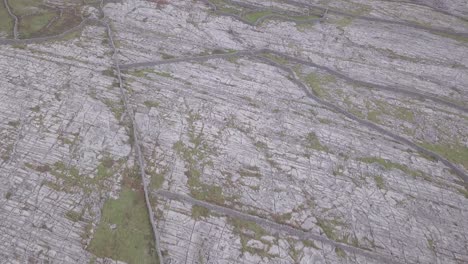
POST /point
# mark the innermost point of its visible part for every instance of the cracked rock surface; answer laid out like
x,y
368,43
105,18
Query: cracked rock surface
x,y
235,131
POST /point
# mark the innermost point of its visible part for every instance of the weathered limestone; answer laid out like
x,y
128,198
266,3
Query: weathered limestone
x,y
253,122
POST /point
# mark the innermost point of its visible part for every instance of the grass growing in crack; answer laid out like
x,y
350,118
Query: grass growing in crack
x,y
452,36
252,17
35,109
196,154
248,230
310,244
374,116
455,153
74,216
405,114
344,22
340,252
250,171
69,179
313,142
151,104
166,56
316,83
14,124
463,191
376,108
430,244
117,108
199,212
224,7
139,73
329,228
388,165
157,179
379,181
164,74
275,58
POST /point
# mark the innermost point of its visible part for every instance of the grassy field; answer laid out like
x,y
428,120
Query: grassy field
x,y
29,25
25,7
37,20
124,232
456,153
6,23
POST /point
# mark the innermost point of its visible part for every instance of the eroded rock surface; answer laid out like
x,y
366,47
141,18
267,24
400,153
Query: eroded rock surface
x,y
247,132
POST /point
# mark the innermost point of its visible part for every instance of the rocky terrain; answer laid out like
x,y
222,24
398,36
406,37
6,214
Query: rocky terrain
x,y
233,131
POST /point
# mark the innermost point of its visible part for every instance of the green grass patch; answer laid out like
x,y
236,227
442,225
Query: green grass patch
x,y
74,216
455,153
276,58
139,73
313,142
150,104
379,181
199,212
344,22
254,16
304,18
25,7
431,245
463,39
14,124
38,20
35,109
340,252
124,232
166,56
164,74
463,191
230,10
331,227
405,114
68,20
117,108
69,179
328,228
316,83
157,179
6,22
29,25
374,116
196,155
248,230
388,165
250,171
243,226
